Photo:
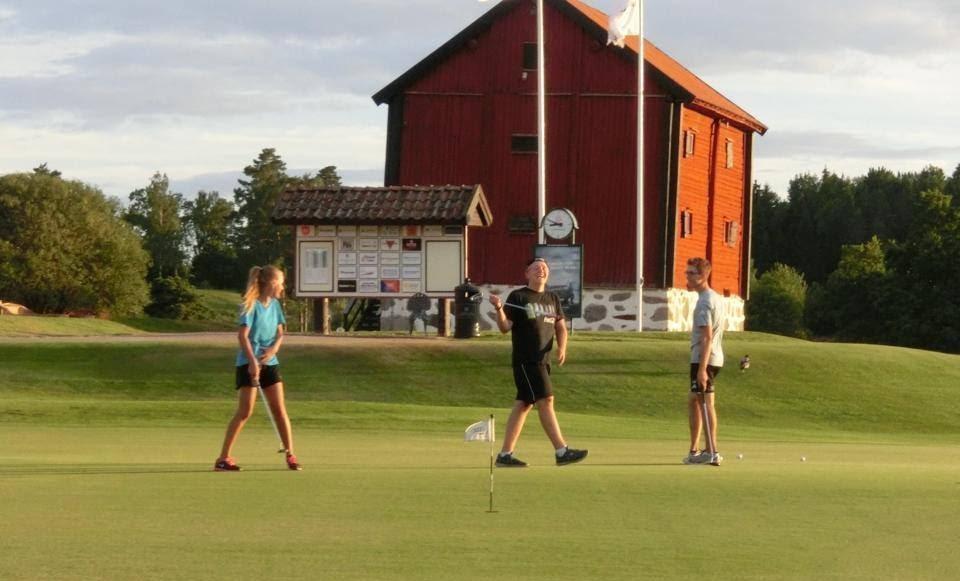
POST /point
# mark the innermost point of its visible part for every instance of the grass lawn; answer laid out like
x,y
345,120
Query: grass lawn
x,y
107,448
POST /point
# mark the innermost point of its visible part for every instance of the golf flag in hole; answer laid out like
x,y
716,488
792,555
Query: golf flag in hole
x,y
481,431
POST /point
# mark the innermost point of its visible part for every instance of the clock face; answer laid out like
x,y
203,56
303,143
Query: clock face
x,y
558,223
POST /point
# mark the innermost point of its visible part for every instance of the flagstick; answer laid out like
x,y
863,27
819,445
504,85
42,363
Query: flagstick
x,y
640,110
491,463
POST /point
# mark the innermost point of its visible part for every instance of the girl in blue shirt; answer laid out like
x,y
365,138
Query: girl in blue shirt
x,y
261,333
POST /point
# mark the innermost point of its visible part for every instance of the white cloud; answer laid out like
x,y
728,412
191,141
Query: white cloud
x,y
41,56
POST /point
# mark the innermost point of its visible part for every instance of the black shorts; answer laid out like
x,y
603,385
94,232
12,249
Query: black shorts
x,y
533,381
712,373
269,375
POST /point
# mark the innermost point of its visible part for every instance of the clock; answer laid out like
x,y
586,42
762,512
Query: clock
x,y
559,223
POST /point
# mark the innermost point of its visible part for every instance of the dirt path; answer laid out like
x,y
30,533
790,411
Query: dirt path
x,y
231,339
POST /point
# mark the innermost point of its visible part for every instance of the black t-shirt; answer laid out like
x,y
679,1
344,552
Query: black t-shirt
x,y
534,316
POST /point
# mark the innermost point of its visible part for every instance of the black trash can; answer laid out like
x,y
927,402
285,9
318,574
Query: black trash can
x,y
466,306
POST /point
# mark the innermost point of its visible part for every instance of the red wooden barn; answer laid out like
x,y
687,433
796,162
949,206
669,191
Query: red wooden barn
x,y
466,114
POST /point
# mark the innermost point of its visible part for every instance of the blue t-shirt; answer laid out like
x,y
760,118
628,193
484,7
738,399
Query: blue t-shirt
x,y
263,322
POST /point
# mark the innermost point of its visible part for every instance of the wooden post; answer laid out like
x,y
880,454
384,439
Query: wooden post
x,y
443,324
321,316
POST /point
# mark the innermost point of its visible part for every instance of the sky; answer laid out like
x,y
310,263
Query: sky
x,y
110,92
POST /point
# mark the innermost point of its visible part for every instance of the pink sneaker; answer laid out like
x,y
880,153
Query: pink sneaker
x,y
292,463
226,465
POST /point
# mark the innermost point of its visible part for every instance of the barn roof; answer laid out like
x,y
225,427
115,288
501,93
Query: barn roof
x,y
438,205
688,86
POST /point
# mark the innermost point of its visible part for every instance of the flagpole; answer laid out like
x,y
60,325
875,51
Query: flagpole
x,y
492,438
541,124
640,157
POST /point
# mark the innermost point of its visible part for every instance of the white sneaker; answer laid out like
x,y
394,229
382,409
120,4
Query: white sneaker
x,y
699,457
715,459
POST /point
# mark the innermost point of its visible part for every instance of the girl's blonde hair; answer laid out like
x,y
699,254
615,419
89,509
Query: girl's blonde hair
x,y
258,282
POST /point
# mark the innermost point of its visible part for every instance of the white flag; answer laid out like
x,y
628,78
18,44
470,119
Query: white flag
x,y
625,24
481,431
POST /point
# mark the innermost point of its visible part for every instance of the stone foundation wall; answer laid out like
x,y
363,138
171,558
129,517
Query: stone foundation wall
x,y
603,310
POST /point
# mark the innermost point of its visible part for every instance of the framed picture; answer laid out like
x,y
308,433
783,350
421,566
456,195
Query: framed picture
x,y
346,257
315,261
369,258
368,245
389,258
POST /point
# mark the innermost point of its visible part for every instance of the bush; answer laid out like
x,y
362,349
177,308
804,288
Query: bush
x,y
64,248
777,302
173,297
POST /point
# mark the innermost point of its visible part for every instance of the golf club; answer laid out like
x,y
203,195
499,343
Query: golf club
x,y
711,446
266,404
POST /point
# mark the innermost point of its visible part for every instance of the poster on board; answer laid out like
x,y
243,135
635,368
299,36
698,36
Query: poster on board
x,y
566,275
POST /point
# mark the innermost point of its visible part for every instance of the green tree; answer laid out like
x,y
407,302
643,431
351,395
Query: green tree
x,y
43,170
260,240
952,187
211,221
154,212
324,178
769,214
63,247
777,301
848,304
922,306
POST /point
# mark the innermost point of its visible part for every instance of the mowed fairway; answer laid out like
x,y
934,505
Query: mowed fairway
x,y
105,452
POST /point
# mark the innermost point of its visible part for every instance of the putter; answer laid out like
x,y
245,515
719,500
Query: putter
x,y
266,404
711,446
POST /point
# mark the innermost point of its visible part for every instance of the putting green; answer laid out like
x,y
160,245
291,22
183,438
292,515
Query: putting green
x,y
142,503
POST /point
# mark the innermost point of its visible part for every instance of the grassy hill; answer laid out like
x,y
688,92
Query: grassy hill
x,y
792,385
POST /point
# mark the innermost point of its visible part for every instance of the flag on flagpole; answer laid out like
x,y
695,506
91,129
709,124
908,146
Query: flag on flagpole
x,y
481,431
625,24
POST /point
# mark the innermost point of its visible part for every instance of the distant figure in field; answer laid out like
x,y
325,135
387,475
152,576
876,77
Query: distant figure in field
x,y
706,359
261,334
534,317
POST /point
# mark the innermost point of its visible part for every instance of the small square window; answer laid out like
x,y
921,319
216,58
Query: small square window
x,y
689,142
731,233
686,224
529,56
729,154
523,143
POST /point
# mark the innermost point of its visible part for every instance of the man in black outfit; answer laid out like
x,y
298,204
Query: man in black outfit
x,y
534,317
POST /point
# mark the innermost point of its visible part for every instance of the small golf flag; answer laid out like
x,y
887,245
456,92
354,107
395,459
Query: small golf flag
x,y
481,431
625,24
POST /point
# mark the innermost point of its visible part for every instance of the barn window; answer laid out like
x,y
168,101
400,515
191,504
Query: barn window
x,y
731,232
530,56
689,142
686,224
520,143
729,153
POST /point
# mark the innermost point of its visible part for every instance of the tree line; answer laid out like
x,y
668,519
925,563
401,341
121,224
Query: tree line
x,y
65,246
867,258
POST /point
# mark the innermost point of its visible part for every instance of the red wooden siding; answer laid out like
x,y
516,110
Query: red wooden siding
x,y
693,195
728,207
457,123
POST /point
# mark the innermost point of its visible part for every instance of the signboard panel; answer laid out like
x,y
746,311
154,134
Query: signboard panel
x,y
379,261
566,275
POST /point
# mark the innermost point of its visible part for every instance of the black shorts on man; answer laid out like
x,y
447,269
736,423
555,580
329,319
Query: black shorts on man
x,y
712,372
533,381
269,375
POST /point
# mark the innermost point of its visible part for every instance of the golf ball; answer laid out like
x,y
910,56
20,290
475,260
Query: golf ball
x,y
739,456
803,458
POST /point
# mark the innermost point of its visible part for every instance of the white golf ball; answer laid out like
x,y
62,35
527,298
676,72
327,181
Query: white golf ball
x,y
803,458
739,456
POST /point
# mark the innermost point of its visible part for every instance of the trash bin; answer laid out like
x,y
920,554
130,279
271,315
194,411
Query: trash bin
x,y
466,306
